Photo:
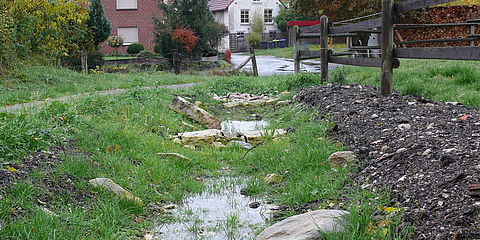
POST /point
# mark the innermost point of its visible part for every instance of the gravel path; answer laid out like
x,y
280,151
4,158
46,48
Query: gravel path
x,y
426,153
100,93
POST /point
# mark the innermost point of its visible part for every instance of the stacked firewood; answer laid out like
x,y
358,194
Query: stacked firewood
x,y
438,15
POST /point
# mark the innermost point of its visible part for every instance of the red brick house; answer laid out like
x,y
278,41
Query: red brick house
x,y
133,21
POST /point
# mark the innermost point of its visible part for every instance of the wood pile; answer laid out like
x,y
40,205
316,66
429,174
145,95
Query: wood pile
x,y
438,15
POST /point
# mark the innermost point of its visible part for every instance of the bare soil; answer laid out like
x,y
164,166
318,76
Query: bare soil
x,y
39,170
423,151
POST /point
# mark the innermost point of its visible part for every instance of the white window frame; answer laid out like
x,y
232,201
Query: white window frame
x,y
245,15
126,43
265,16
126,8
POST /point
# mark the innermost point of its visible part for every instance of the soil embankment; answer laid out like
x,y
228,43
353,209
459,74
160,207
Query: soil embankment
x,y
423,151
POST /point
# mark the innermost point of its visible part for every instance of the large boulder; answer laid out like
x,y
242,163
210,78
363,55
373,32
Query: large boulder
x,y
305,226
183,106
116,189
339,159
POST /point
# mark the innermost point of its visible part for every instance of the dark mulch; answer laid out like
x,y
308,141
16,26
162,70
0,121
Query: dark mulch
x,y
53,185
428,167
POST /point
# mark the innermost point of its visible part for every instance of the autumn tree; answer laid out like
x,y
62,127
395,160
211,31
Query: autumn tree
x,y
335,9
194,15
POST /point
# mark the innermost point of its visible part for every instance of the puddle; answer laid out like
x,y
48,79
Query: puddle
x,y
232,128
219,213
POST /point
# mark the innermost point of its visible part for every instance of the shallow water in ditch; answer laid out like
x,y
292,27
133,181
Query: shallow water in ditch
x,y
219,213
232,128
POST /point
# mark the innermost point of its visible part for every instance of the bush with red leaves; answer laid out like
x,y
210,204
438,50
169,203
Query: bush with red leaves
x,y
228,56
187,37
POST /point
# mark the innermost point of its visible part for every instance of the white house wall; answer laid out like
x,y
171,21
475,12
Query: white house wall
x,y
232,19
237,5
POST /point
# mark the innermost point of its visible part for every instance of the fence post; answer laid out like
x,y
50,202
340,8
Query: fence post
x,y
175,62
296,46
473,30
324,47
387,47
254,62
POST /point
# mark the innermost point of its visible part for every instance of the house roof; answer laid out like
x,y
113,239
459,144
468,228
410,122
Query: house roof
x,y
218,5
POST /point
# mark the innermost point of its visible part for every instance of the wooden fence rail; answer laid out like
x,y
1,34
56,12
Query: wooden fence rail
x,y
389,54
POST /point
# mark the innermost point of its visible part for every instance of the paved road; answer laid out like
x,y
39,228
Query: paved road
x,y
269,65
66,98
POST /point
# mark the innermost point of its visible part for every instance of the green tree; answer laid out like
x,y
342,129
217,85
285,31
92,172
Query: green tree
x,y
189,14
98,23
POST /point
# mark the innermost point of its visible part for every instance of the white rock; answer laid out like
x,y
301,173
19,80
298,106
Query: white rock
x,y
305,226
404,126
111,186
273,178
339,159
174,155
449,150
183,106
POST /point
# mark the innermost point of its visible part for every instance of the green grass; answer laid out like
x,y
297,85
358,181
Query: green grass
x,y
31,83
288,51
123,134
455,81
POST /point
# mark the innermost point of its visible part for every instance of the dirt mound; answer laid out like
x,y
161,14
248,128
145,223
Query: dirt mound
x,y
423,151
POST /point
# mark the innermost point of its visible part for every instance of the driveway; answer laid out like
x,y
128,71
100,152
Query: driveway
x,y
269,65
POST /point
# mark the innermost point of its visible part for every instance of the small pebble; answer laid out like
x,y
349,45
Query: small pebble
x,y
254,205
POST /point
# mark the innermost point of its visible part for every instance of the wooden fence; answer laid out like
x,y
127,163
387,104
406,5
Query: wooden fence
x,y
389,54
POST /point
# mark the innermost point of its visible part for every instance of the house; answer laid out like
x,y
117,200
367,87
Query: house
x,y
237,16
133,21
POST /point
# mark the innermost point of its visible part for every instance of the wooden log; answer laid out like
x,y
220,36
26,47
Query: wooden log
x,y
397,33
410,5
363,62
450,53
254,62
440,40
439,25
365,25
296,47
244,62
387,47
324,48
304,55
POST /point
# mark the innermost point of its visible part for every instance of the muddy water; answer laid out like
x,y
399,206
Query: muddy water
x,y
232,128
219,213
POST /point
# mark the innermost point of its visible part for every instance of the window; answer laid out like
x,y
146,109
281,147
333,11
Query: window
x,y
268,15
126,4
245,16
129,35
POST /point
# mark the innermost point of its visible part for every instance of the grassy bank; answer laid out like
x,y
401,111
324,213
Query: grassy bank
x,y
31,83
118,137
457,81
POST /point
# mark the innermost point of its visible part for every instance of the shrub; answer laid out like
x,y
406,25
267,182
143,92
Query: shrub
x,y
187,37
254,40
147,54
74,62
135,48
228,56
